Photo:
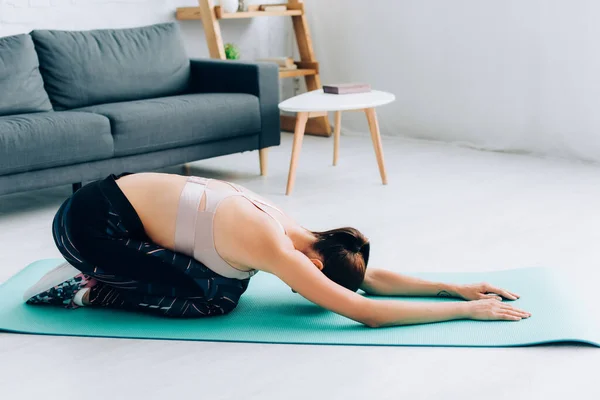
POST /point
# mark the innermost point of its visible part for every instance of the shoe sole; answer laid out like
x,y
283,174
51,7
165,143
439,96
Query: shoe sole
x,y
58,275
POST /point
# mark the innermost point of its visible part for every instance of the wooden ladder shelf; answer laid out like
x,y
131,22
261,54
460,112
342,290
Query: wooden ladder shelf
x,y
308,67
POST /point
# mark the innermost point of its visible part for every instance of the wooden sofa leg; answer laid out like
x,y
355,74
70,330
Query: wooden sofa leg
x,y
76,186
263,155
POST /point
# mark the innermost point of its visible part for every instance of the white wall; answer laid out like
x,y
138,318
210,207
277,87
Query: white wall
x,y
259,37
515,75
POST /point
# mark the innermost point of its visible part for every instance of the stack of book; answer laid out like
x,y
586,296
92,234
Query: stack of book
x,y
347,88
277,7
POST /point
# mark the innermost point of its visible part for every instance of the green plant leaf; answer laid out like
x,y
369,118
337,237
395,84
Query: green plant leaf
x,y
232,52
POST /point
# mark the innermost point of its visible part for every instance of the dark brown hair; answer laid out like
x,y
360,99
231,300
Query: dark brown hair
x,y
345,254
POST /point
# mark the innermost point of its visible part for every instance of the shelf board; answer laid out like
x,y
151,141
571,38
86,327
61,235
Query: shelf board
x,y
188,13
289,73
193,13
251,14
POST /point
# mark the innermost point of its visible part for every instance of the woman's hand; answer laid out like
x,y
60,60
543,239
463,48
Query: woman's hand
x,y
492,309
482,291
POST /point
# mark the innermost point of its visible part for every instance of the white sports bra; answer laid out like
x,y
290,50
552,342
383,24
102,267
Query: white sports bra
x,y
194,229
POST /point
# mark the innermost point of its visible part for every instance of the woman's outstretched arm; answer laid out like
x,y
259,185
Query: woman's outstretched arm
x,y
387,283
301,275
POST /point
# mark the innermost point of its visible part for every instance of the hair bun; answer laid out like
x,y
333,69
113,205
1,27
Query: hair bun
x,y
351,242
339,249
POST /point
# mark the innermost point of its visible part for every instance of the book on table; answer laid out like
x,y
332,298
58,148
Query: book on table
x,y
347,88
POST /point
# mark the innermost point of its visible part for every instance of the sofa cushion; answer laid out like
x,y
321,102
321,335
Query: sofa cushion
x,y
106,66
43,140
21,85
149,125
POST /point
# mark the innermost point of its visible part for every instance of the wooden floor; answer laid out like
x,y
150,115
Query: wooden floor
x,y
445,209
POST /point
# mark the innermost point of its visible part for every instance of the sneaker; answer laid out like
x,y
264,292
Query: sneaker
x,y
59,287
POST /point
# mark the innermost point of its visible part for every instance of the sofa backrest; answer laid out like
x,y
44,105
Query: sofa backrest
x,y
111,65
21,85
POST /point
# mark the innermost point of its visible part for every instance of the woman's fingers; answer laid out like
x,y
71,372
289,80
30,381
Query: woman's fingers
x,y
510,317
516,313
504,293
492,296
495,293
507,308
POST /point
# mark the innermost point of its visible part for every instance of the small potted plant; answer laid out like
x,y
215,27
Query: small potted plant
x,y
232,52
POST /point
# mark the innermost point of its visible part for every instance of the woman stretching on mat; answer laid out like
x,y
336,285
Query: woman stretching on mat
x,y
187,247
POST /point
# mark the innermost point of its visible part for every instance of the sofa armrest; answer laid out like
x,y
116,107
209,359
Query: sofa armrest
x,y
259,79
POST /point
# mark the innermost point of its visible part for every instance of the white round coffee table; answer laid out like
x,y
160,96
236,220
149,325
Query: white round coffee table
x,y
317,103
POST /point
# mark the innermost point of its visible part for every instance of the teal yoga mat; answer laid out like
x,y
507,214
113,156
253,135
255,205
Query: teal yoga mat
x,y
270,313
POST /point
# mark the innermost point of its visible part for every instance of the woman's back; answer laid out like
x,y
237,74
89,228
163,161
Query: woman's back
x,y
240,227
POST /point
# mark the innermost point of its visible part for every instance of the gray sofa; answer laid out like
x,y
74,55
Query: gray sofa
x,y
77,106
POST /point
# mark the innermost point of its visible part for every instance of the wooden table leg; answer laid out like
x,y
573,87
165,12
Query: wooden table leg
x,y
301,119
263,156
376,137
336,136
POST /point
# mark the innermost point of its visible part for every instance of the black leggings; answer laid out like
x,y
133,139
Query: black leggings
x,y
98,231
